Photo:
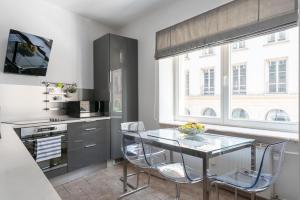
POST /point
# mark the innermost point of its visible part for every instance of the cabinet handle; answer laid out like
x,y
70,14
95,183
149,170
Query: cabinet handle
x,y
90,129
90,145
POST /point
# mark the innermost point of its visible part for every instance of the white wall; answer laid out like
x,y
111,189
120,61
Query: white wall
x,y
71,58
144,30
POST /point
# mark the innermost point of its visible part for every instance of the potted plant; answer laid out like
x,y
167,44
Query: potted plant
x,y
71,90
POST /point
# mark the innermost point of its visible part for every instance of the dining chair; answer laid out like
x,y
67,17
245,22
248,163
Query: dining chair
x,y
255,181
178,171
141,155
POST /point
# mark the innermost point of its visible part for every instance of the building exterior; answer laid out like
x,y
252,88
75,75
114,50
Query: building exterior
x,y
262,79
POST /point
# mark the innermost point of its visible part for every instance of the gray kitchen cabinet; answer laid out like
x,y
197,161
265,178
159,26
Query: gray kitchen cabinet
x,y
116,71
87,143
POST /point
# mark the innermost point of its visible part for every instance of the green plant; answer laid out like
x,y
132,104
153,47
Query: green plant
x,y
60,85
72,89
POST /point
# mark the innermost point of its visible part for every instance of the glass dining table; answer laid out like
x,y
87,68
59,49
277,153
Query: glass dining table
x,y
204,146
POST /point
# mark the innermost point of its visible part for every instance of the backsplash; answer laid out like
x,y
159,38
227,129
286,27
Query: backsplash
x,y
25,102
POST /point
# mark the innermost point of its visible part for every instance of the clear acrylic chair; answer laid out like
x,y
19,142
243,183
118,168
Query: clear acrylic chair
x,y
178,171
141,155
255,181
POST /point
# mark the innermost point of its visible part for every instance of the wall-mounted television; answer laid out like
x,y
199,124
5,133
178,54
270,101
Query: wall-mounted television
x,y
27,54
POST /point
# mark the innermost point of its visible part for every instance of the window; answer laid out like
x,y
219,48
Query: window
x,y
239,113
209,82
187,83
207,52
239,89
204,83
209,112
239,45
277,37
281,36
239,79
277,76
277,115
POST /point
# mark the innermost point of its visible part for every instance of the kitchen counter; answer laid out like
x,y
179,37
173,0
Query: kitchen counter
x,y
20,176
67,120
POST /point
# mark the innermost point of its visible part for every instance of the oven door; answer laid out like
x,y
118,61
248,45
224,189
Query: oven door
x,y
51,163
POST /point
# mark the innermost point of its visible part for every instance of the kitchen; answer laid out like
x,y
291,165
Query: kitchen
x,y
100,72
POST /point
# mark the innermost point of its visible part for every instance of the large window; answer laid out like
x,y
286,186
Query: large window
x,y
277,115
202,84
239,79
256,87
209,81
238,45
277,76
187,83
277,37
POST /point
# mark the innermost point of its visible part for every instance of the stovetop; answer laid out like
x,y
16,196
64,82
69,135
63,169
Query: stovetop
x,y
38,121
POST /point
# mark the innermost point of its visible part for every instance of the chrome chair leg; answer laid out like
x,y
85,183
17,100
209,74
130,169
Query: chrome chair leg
x,y
177,191
149,177
235,194
217,191
137,188
137,179
253,195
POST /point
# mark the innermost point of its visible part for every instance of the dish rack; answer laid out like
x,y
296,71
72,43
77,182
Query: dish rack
x,y
56,97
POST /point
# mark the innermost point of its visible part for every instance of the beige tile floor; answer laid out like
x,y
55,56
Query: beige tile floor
x,y
105,185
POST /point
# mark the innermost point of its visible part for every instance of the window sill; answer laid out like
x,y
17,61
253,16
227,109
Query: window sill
x,y
294,137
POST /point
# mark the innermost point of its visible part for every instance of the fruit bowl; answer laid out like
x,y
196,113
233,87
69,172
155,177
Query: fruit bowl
x,y
192,128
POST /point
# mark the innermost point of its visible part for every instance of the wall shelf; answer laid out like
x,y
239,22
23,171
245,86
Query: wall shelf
x,y
56,95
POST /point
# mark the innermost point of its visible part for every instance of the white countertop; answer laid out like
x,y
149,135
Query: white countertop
x,y
20,176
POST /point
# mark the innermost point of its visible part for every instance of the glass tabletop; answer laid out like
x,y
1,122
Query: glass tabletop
x,y
204,142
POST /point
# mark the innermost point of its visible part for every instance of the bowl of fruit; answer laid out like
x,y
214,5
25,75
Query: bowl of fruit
x,y
192,128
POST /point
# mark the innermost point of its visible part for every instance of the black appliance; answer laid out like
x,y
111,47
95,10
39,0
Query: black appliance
x,y
116,81
50,164
81,109
27,54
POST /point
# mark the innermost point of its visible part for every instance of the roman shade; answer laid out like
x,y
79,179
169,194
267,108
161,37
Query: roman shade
x,y
237,19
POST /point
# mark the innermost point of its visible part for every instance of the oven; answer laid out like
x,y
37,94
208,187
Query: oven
x,y
48,146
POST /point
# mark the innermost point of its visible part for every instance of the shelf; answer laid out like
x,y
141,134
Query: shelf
x,y
53,101
55,93
54,109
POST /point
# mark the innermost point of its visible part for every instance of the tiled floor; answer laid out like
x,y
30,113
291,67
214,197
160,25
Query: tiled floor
x,y
105,185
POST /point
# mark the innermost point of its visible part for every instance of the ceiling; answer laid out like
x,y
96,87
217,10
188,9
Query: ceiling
x,y
115,13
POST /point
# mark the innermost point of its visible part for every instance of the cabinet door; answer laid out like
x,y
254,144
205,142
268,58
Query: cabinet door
x,y
130,82
101,68
117,51
116,112
87,144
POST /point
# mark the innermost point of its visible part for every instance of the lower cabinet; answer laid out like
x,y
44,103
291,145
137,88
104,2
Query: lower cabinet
x,y
88,143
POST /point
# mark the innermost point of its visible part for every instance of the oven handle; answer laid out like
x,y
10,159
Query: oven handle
x,y
52,131
90,145
33,140
90,129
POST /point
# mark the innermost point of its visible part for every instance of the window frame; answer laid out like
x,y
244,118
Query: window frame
x,y
238,65
210,88
267,71
224,118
